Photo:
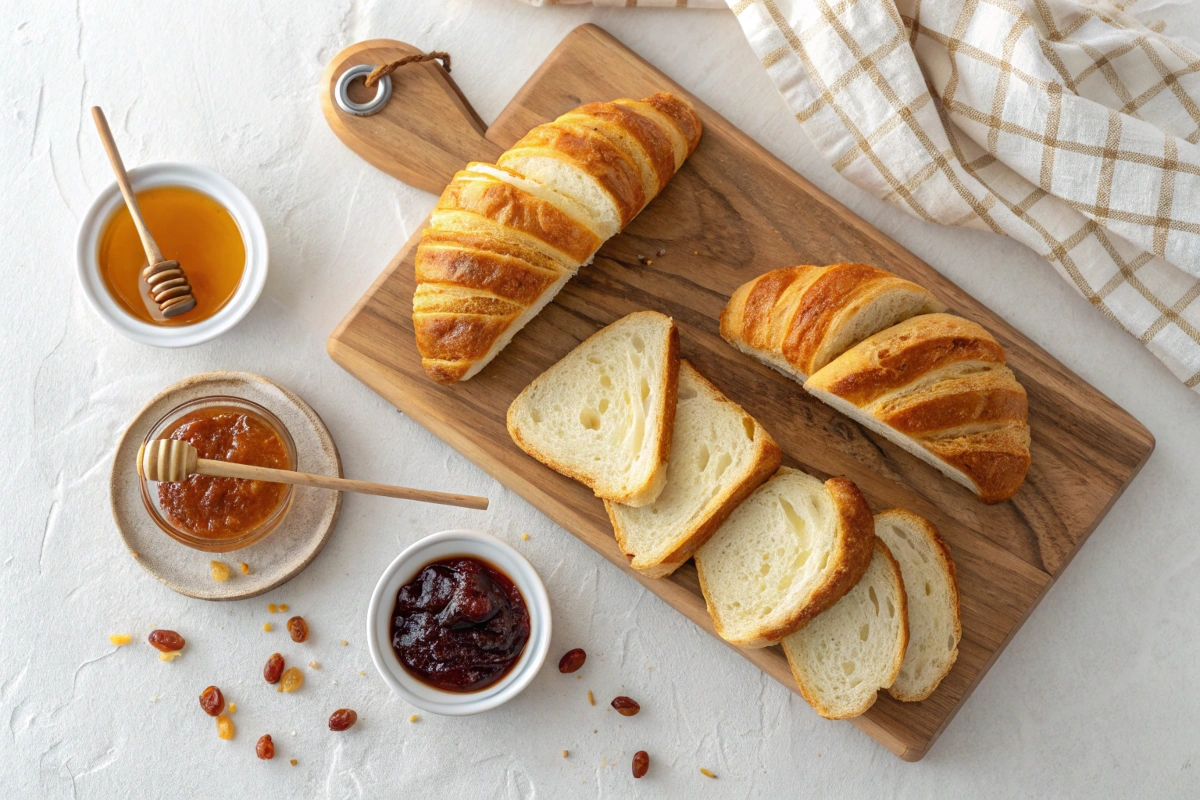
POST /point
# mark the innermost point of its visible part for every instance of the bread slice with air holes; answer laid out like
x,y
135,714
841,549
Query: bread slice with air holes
x,y
604,415
719,455
846,655
931,583
791,550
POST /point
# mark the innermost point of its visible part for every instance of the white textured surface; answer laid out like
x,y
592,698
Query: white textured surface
x,y
1096,696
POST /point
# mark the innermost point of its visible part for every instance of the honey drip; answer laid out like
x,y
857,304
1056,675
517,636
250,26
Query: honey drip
x,y
190,227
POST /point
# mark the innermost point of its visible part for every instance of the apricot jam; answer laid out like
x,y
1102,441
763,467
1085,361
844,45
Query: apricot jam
x,y
190,227
460,625
219,508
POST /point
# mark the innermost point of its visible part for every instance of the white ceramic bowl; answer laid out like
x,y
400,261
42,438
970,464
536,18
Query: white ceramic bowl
x,y
406,566
196,177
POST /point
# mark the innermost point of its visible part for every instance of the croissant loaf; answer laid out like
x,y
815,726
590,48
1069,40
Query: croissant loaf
x,y
798,319
506,237
938,386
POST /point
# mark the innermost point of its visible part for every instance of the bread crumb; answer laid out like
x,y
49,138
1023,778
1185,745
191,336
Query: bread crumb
x,y
362,672
283,606
292,762
266,627
219,571
344,643
272,608
564,753
169,656
136,554
414,718
119,639
233,708
244,567
293,733
591,697
525,537
706,773
661,252
314,664
154,699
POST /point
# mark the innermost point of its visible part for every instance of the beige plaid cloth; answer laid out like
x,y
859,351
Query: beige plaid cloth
x,y
1066,124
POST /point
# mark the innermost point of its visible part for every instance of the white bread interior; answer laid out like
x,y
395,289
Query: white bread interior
x,y
600,415
719,453
933,608
848,653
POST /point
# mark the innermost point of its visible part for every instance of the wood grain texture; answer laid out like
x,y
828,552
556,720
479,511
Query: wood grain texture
x,y
731,213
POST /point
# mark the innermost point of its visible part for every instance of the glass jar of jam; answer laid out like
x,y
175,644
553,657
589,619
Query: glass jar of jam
x,y
222,514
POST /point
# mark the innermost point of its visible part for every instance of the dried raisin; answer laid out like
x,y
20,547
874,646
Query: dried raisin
x,y
641,764
273,669
298,629
342,719
212,701
625,706
265,749
572,660
166,641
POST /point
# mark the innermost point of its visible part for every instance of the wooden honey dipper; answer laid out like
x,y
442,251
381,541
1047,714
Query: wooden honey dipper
x,y
173,460
169,287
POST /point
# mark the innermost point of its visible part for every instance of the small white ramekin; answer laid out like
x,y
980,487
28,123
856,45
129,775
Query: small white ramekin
x,y
202,179
406,566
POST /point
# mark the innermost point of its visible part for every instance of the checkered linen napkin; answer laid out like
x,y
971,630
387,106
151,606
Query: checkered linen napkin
x,y
1071,127
1065,124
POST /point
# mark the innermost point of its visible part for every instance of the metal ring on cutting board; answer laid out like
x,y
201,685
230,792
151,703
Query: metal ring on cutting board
x,y
383,92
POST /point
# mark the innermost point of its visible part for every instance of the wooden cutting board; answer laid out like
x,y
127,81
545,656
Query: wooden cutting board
x,y
732,212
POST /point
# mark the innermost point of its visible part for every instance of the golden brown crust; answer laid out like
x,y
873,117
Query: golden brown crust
x,y
510,207
681,113
898,356
670,380
802,314
592,152
942,551
940,381
504,276
767,460
996,461
652,142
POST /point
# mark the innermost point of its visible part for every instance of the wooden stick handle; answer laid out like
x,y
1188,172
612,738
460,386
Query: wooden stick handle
x,y
153,254
226,469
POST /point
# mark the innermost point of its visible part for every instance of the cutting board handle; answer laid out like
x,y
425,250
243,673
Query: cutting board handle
x,y
425,133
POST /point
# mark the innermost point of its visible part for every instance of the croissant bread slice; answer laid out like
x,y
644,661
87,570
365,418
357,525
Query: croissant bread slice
x,y
937,385
605,413
798,319
844,657
506,237
790,551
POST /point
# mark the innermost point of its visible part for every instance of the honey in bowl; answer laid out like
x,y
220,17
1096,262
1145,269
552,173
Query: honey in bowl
x,y
190,227
221,508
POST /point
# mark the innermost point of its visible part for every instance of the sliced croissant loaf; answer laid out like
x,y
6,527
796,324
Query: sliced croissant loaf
x,y
604,415
844,657
798,319
937,386
931,585
719,455
790,551
506,237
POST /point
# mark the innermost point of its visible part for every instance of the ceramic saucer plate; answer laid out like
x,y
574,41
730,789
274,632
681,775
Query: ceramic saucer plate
x,y
279,557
